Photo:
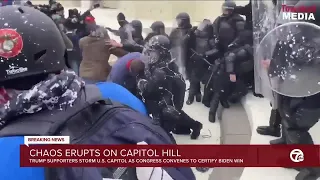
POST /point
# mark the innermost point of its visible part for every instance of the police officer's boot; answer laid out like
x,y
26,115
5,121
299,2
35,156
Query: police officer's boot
x,y
207,96
198,97
274,125
240,91
190,98
283,138
198,94
214,104
225,103
186,123
223,97
191,92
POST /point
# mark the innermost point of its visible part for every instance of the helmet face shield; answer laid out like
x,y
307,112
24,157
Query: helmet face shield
x,y
227,10
157,50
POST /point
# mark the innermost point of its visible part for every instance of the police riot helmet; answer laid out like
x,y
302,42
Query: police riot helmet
x,y
228,7
157,50
136,23
30,43
137,26
157,25
183,19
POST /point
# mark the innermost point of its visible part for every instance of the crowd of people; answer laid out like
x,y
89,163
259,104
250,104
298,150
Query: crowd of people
x,y
56,79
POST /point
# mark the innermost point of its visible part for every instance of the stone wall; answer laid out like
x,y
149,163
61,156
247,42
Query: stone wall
x,y
160,9
167,10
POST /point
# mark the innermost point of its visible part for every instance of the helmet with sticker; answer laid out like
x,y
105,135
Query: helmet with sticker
x,y
30,43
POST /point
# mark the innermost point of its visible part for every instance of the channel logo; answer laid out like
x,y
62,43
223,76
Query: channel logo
x,y
296,155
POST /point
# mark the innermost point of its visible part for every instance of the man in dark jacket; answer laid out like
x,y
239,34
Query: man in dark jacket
x,y
125,30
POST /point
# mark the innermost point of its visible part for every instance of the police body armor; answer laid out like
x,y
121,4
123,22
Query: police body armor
x,y
203,36
203,43
226,30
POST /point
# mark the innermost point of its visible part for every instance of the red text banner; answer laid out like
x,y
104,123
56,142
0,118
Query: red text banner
x,y
169,156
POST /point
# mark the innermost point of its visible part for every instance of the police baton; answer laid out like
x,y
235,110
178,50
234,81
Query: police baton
x,y
204,59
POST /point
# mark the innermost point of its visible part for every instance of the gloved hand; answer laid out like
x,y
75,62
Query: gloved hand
x,y
142,85
158,75
194,28
201,55
74,20
216,40
232,45
213,53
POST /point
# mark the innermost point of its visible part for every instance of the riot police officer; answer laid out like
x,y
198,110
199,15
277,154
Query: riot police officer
x,y
137,32
182,39
163,88
200,59
293,71
228,27
158,28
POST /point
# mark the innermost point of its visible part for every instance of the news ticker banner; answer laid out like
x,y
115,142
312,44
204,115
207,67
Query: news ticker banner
x,y
67,155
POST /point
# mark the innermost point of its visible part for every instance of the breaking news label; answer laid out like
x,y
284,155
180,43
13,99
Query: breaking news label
x,y
46,140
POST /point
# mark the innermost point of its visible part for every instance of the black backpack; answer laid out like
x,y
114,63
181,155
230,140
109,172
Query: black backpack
x,y
94,120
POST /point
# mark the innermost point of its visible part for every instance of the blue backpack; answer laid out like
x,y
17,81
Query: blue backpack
x,y
94,120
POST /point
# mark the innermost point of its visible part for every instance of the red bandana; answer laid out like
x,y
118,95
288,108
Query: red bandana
x,y
90,19
129,64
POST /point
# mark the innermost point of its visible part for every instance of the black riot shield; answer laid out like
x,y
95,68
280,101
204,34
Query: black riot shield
x,y
289,56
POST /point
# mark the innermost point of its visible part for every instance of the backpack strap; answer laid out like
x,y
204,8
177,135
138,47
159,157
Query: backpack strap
x,y
49,122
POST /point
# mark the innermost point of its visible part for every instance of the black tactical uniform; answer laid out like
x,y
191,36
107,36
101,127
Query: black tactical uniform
x,y
137,32
274,127
163,88
248,77
228,29
125,31
200,59
182,39
298,104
